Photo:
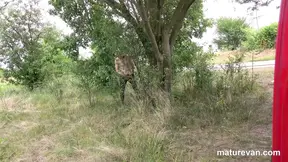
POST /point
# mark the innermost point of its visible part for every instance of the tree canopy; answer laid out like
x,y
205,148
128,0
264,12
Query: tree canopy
x,y
231,32
154,25
154,31
27,45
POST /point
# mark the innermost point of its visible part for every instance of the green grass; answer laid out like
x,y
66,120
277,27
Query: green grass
x,y
38,125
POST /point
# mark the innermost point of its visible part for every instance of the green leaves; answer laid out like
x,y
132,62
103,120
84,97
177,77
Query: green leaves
x,y
121,27
267,35
31,48
263,38
231,32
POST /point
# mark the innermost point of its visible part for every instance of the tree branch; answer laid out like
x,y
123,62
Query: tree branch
x,y
257,3
155,11
177,19
129,18
29,25
134,12
124,11
149,31
6,3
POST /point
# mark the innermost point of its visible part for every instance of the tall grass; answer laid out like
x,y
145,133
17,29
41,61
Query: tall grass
x,y
61,126
229,96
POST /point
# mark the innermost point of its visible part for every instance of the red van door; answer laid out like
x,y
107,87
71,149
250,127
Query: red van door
x,y
280,98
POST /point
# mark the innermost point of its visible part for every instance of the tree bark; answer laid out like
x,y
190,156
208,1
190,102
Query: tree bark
x,y
167,63
157,35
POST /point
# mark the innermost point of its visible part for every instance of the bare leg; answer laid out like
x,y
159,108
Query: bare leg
x,y
134,86
133,83
123,82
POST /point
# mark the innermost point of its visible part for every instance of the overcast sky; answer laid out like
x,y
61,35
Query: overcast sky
x,y
212,9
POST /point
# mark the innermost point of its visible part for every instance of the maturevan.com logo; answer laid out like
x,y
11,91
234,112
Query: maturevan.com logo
x,y
247,153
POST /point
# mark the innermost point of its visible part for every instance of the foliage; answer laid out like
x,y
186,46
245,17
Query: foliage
x,y
235,77
267,35
70,45
199,76
56,62
108,29
87,79
30,48
94,76
125,133
231,32
185,55
185,50
112,132
20,30
212,98
264,38
1,73
251,42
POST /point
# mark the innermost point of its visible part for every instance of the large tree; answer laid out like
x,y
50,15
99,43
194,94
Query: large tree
x,y
20,33
156,23
27,45
231,32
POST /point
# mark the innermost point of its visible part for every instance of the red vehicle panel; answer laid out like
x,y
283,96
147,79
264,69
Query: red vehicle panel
x,y
280,98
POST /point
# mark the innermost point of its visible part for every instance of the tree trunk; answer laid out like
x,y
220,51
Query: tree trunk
x,y
167,63
163,66
157,34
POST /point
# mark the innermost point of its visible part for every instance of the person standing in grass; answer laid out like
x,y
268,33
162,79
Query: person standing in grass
x,y
125,66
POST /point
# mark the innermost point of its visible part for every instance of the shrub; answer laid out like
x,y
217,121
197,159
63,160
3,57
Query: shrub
x,y
231,32
267,35
261,39
220,99
251,41
88,81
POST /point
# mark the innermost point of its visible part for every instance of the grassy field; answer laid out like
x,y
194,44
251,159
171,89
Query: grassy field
x,y
265,55
35,126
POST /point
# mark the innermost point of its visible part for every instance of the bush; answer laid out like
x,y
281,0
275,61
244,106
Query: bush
x,y
231,32
220,98
94,76
261,39
251,41
185,53
199,76
267,35
86,73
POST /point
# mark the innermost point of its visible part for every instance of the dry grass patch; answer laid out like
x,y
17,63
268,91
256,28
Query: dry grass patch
x,y
194,131
265,55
